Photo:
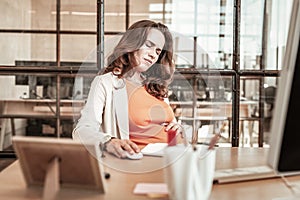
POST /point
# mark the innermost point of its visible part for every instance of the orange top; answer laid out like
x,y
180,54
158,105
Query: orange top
x,y
146,115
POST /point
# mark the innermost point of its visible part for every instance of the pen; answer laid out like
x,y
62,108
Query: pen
x,y
207,144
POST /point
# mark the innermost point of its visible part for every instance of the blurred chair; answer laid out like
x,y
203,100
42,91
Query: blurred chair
x,y
268,96
269,99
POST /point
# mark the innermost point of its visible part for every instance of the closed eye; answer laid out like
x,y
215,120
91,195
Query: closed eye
x,y
150,44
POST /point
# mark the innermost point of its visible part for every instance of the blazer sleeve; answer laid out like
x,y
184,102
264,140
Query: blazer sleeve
x,y
88,128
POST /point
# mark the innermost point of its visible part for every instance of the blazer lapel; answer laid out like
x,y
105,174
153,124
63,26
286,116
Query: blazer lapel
x,y
120,100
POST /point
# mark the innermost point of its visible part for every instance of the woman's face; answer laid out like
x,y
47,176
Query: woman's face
x,y
149,52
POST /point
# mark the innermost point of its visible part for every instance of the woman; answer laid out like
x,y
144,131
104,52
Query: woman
x,y
125,109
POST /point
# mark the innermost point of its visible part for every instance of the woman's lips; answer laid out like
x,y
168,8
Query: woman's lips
x,y
148,61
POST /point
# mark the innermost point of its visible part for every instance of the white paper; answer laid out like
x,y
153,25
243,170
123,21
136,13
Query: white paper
x,y
154,149
150,188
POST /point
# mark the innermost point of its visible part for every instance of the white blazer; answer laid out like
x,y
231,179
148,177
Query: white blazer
x,y
105,113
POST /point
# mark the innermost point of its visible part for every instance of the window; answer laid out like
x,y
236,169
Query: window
x,y
47,44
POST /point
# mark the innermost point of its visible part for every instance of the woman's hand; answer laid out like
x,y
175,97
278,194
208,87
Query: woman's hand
x,y
118,147
176,127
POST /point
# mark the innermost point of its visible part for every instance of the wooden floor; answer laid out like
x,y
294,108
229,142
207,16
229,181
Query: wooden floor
x,y
5,162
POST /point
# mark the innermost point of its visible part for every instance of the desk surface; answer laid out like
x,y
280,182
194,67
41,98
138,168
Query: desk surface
x,y
121,184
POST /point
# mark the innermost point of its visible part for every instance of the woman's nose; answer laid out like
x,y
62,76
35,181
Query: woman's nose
x,y
152,54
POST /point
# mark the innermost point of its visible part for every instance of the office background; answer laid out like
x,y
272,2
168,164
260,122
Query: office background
x,y
49,45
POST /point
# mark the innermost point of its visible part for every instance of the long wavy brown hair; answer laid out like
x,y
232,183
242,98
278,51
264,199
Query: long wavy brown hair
x,y
122,59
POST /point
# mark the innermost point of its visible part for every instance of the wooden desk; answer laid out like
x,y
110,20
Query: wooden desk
x,y
121,184
37,109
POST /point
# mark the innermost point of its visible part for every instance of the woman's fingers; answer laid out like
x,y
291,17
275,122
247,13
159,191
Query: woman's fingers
x,y
174,126
119,147
113,148
129,146
133,146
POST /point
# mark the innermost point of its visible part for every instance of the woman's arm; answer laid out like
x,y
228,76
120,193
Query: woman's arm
x,y
173,125
88,128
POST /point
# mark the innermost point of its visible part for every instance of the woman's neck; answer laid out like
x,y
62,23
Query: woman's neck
x,y
137,78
